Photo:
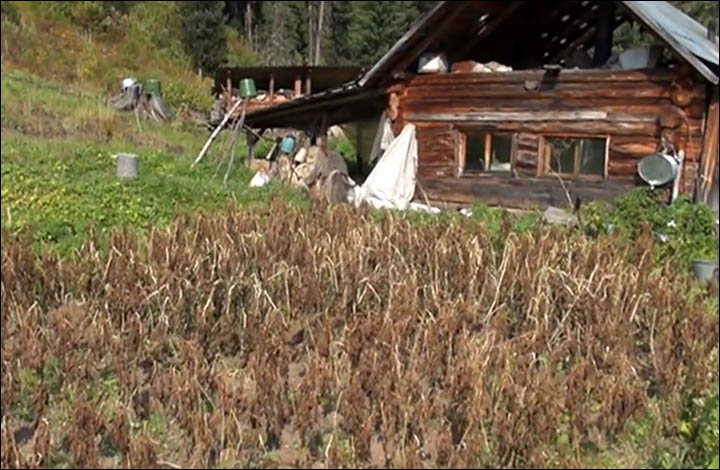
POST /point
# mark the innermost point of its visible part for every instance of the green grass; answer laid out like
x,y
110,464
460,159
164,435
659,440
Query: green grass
x,y
58,171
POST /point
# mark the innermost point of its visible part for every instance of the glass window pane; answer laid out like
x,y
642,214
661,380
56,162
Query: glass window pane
x,y
592,160
562,155
475,152
501,151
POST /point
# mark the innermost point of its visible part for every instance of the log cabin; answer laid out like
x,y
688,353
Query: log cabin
x,y
563,118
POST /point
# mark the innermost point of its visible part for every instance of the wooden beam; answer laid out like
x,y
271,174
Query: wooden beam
x,y
272,86
322,131
572,45
488,151
292,109
487,30
709,162
438,30
532,116
573,27
298,86
516,192
308,85
604,36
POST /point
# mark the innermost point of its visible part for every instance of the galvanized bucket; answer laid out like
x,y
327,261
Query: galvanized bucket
x,y
127,165
705,270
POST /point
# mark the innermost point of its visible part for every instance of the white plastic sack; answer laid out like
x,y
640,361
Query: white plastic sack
x,y
433,63
391,184
260,179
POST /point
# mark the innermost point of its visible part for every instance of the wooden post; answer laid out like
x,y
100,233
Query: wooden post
x,y
488,152
250,140
272,86
709,162
298,86
603,38
322,134
228,88
308,84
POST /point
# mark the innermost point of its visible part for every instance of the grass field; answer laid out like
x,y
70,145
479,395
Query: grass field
x,y
58,174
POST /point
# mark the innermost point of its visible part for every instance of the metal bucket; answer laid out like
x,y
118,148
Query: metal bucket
x,y
705,270
247,88
287,145
127,165
152,87
657,170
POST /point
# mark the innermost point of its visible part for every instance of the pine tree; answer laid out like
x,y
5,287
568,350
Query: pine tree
x,y
202,33
376,26
276,42
339,50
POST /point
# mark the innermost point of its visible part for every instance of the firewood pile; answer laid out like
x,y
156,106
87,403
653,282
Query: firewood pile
x,y
322,175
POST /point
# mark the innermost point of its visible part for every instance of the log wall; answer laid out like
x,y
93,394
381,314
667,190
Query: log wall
x,y
632,108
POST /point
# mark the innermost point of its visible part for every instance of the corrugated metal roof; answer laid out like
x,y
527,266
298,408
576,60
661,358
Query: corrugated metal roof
x,y
685,35
683,28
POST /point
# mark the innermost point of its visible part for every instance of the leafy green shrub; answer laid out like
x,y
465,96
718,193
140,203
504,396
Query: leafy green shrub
x,y
89,15
191,93
9,12
684,231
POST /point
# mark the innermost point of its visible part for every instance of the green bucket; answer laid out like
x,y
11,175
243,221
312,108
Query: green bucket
x,y
152,87
247,88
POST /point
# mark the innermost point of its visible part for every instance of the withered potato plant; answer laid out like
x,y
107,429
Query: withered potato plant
x,y
327,338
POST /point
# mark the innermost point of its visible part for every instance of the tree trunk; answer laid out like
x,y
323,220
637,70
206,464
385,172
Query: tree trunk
x,y
318,36
248,25
310,33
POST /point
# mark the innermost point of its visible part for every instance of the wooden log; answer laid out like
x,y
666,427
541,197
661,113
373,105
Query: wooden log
x,y
659,107
518,193
709,159
298,86
534,116
658,76
609,90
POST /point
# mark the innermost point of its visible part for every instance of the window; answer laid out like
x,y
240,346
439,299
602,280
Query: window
x,y
574,156
487,153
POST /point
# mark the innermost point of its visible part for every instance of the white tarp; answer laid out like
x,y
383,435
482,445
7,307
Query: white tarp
x,y
391,184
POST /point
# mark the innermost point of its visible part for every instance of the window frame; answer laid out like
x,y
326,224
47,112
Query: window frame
x,y
544,155
461,136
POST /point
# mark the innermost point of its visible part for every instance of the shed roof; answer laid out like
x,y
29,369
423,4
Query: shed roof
x,y
323,78
571,20
548,29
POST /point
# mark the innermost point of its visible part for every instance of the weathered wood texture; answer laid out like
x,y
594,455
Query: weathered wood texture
x,y
710,154
633,108
521,193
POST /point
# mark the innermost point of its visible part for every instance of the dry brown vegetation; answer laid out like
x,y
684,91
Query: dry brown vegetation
x,y
325,338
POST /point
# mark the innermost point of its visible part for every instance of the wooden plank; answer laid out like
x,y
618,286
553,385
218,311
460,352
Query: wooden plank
x,y
695,113
609,90
487,30
518,193
709,159
533,116
298,86
580,129
565,76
